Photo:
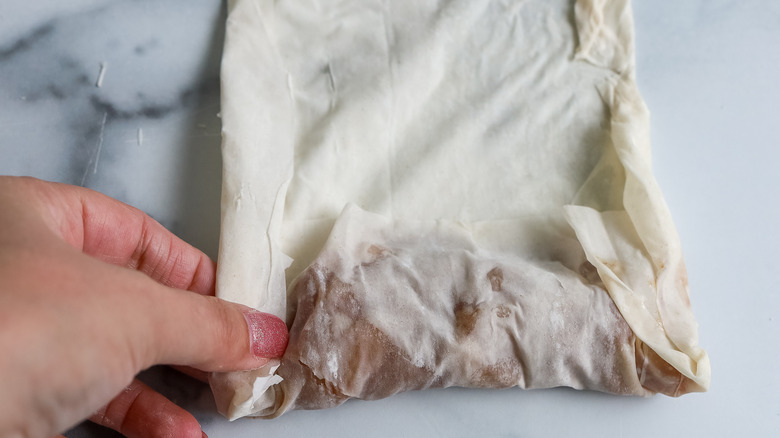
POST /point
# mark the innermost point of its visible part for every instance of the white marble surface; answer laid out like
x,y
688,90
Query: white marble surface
x,y
161,77
708,70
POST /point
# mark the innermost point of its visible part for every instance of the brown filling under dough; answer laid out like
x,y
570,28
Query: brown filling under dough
x,y
504,328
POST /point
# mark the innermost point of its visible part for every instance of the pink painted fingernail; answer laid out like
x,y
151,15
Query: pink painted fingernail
x,y
267,334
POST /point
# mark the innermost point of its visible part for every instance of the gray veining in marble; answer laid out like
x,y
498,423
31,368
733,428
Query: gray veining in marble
x,y
149,135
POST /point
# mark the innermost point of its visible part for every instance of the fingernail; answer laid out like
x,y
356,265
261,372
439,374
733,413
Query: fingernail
x,y
203,434
267,334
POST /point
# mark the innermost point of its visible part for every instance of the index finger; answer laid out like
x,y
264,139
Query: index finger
x,y
119,234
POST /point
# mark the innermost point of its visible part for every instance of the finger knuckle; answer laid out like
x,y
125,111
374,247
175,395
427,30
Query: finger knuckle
x,y
229,330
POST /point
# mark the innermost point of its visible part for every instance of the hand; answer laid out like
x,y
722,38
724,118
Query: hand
x,y
91,293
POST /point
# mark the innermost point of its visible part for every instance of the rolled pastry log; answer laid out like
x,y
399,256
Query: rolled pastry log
x,y
391,307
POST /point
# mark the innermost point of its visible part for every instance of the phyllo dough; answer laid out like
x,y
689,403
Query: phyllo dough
x,y
450,193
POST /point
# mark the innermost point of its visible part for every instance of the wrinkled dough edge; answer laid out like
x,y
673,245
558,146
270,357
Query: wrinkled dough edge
x,y
605,30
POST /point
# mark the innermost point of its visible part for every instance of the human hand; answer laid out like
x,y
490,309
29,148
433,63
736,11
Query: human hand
x,y
91,293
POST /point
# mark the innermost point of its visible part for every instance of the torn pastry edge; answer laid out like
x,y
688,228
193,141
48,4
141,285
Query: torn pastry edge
x,y
604,29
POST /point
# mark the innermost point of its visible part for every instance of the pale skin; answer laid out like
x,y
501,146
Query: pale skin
x,y
93,291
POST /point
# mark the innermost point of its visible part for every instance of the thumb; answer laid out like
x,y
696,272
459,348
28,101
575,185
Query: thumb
x,y
211,334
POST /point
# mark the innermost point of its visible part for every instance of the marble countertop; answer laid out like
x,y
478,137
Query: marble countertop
x,y
123,97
